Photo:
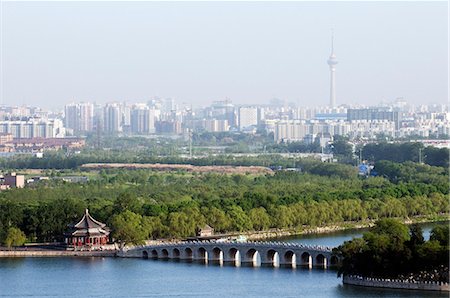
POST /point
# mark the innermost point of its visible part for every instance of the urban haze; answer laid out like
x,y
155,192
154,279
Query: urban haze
x,y
224,149
199,52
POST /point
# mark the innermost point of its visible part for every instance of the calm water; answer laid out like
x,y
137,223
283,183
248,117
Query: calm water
x,y
109,277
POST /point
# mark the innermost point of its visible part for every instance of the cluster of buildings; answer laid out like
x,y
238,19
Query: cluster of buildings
x,y
286,121
155,116
22,128
31,129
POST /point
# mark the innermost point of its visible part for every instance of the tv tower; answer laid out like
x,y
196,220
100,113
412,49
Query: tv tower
x,y
332,61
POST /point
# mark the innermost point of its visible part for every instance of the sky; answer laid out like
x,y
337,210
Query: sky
x,y
198,52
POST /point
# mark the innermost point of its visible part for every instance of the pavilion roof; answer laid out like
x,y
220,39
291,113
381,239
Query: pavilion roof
x,y
88,222
89,226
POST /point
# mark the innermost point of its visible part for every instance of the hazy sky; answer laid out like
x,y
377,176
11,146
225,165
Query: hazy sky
x,y
198,52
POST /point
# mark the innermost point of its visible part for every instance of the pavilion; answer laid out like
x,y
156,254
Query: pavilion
x,y
88,232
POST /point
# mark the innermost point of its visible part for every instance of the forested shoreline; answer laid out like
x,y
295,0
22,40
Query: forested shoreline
x,y
394,250
141,204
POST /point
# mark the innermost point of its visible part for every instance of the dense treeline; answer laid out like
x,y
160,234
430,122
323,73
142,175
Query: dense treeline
x,y
174,205
401,152
60,160
142,150
391,250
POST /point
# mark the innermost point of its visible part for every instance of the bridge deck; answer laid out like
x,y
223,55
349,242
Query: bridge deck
x,y
255,253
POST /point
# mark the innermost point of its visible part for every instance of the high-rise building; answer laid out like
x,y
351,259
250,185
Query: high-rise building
x,y
224,110
214,125
374,114
143,120
86,116
37,128
332,61
79,117
71,116
126,115
112,118
248,116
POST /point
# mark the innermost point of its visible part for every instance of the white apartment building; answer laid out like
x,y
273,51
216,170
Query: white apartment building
x,y
112,118
52,128
143,120
248,116
214,125
79,117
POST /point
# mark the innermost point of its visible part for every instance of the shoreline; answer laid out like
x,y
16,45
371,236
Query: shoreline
x,y
251,236
55,253
362,281
323,230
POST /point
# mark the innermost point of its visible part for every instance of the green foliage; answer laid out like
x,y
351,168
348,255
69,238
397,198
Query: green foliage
x,y
240,221
408,151
14,237
342,148
176,204
389,250
440,234
438,157
259,219
129,227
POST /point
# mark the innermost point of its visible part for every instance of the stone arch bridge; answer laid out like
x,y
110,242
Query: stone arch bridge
x,y
275,254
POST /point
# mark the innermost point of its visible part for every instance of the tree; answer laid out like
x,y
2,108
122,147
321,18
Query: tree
x,y
126,201
239,220
259,218
396,230
217,219
15,237
388,250
416,235
437,156
441,234
342,147
283,217
128,227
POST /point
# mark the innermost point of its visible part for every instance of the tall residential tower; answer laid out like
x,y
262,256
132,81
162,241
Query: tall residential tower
x,y
332,61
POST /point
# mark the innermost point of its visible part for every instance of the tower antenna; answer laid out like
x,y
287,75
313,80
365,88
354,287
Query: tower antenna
x,y
332,41
332,61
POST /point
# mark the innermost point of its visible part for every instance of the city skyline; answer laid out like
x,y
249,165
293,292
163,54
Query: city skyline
x,y
101,53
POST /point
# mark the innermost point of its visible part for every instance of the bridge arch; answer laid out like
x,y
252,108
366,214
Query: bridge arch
x,y
188,253
306,259
253,257
234,256
165,253
321,261
176,253
154,254
273,258
334,261
217,255
145,254
290,259
202,254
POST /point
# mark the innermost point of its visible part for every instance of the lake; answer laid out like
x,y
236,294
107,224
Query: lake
x,y
114,277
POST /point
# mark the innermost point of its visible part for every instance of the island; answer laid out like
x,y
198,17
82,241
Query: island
x,y
391,255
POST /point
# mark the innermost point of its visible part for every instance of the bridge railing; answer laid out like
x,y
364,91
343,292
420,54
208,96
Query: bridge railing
x,y
234,242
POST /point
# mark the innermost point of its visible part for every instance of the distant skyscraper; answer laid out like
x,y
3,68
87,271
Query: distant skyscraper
x,y
79,117
143,120
112,118
86,116
332,61
248,116
71,117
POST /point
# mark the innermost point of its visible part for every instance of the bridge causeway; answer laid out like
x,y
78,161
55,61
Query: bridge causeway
x,y
267,253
